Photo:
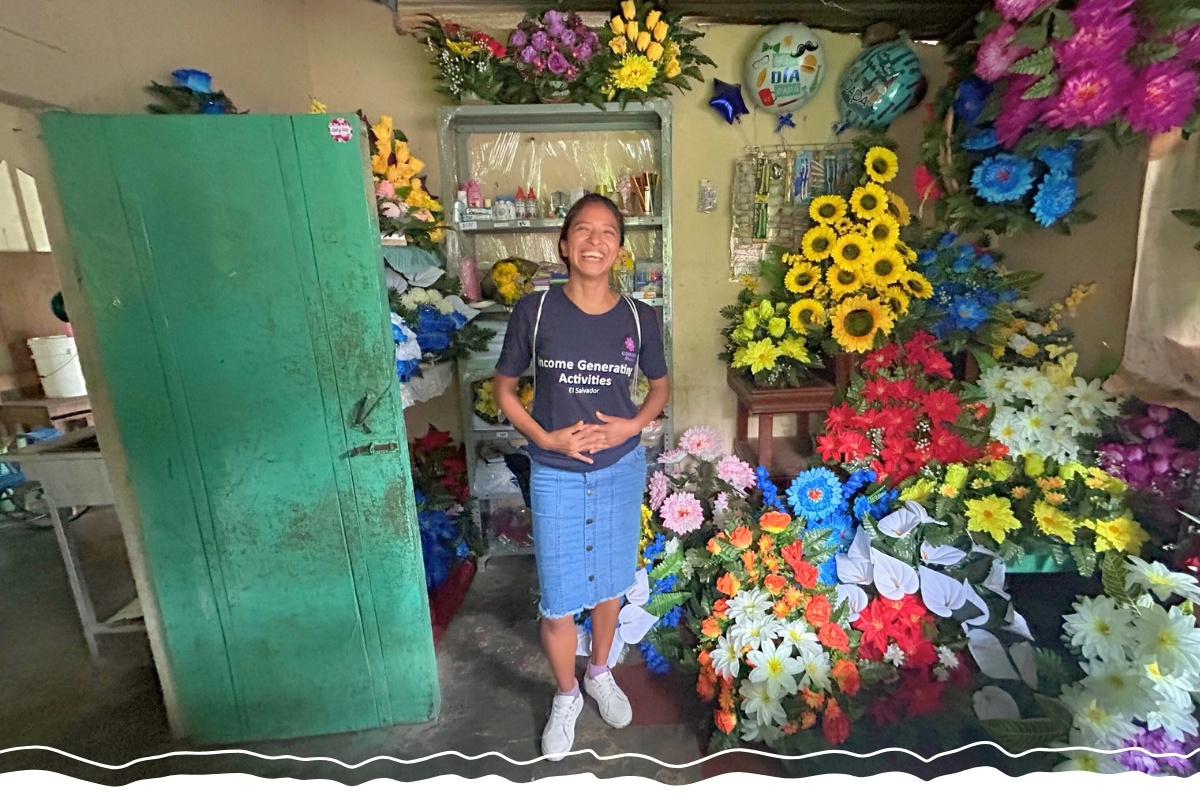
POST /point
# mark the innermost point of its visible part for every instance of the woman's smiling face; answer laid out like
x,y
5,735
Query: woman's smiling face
x,y
593,240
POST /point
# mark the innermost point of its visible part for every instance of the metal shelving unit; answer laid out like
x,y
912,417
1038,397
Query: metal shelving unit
x,y
456,124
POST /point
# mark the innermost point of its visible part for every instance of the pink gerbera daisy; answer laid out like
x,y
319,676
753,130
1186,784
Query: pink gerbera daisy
x,y
1097,41
702,442
681,513
1091,97
736,473
1019,10
658,489
997,53
1163,95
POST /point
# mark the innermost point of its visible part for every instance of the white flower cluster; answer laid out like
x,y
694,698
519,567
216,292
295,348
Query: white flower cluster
x,y
420,297
1044,412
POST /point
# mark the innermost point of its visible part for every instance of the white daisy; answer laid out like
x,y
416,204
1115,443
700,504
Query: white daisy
x,y
1168,638
1174,689
1092,718
894,655
1034,425
748,603
727,658
761,702
1163,582
947,657
775,666
1099,628
1088,400
1085,760
801,638
1062,442
1120,686
1029,384
1004,429
994,383
1176,721
753,632
753,732
816,670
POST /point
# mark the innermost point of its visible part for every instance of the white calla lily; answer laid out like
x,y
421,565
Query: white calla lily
x,y
904,521
941,594
893,578
855,597
995,578
942,555
1022,656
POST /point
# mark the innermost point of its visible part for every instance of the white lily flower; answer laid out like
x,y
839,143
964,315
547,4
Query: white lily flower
x,y
990,655
893,578
727,658
798,635
761,701
904,521
1155,577
941,594
774,666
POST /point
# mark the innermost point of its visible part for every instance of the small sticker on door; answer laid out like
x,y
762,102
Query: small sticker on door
x,y
340,130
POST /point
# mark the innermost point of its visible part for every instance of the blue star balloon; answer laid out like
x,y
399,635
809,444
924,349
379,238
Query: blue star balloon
x,y
727,100
785,121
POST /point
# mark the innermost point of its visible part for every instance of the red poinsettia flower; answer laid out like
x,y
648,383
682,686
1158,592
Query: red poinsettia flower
x,y
828,447
883,358
904,389
874,621
838,417
919,652
877,390
921,694
884,712
432,440
941,406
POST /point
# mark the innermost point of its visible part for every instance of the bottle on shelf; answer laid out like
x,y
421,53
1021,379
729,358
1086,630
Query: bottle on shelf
x,y
520,203
531,206
460,205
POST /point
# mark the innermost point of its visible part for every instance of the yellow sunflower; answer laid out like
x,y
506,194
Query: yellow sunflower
x,y
869,201
805,313
916,284
899,209
844,226
843,280
884,231
821,291
851,250
884,268
801,278
896,299
818,242
882,164
907,253
856,321
827,208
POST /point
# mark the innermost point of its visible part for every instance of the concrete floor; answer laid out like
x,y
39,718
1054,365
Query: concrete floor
x,y
496,690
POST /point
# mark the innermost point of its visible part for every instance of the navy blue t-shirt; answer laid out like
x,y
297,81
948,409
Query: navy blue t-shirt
x,y
585,364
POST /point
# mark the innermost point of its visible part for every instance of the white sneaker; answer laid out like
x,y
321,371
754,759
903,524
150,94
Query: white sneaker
x,y
559,735
614,705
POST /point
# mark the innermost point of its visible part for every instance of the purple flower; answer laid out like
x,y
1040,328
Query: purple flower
x,y
1101,9
1188,42
591,39
1091,97
1158,413
567,37
556,31
1170,752
1163,96
554,18
541,41
528,55
1019,10
1017,114
518,39
539,63
582,53
557,63
1097,42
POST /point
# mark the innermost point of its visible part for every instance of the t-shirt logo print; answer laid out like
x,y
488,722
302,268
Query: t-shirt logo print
x,y
630,350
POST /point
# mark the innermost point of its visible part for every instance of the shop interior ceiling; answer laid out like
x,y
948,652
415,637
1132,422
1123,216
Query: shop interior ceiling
x,y
949,21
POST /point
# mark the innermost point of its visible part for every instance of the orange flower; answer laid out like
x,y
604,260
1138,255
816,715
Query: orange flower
x,y
706,687
705,659
845,672
832,636
720,607
725,720
812,699
710,627
774,521
817,610
807,720
793,597
748,560
726,682
765,543
713,547
833,708
791,727
741,537
836,728
728,585
781,609
775,584
771,563
1019,492
995,451
726,700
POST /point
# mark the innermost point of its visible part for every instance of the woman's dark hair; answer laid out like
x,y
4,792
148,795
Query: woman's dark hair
x,y
591,198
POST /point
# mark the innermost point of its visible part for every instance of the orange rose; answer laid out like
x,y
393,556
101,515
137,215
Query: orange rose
x,y
832,636
765,543
705,658
725,720
845,672
817,610
781,609
774,521
836,728
720,607
775,584
728,585
706,688
741,537
713,547
812,699
807,720
710,627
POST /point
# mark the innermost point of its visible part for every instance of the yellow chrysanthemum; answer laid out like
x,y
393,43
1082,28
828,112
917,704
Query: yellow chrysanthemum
x,y
804,313
634,72
1122,533
991,515
919,491
851,250
801,278
884,268
827,208
856,321
843,280
895,299
883,232
882,164
899,209
869,201
757,356
794,348
916,284
818,242
1054,522
462,49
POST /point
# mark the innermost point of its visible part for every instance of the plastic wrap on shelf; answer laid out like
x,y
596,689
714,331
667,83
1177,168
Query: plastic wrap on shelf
x,y
542,246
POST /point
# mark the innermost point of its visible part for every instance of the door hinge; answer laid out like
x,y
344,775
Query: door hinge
x,y
367,449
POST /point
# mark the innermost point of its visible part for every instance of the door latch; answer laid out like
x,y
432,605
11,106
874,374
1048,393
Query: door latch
x,y
362,412
367,449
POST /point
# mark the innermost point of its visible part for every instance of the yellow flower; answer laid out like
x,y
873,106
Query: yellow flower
x,y
379,165
884,268
882,164
758,356
1053,522
895,299
628,8
1035,465
654,52
631,30
1122,533
991,515
948,491
801,278
1070,469
852,251
316,107
818,242
618,46
899,209
869,201
827,208
652,19
956,476
919,491
916,284
777,326
635,72
618,25
883,232
643,41
794,348
1000,469
821,291
661,28
437,234
673,69
462,49
907,253
805,313
843,280
856,321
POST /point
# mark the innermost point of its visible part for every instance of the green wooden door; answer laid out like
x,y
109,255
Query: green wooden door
x,y
232,267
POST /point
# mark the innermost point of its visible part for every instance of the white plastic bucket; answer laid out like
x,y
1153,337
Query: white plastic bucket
x,y
58,367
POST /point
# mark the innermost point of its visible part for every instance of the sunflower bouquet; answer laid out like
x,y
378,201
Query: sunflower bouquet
x,y
405,207
645,51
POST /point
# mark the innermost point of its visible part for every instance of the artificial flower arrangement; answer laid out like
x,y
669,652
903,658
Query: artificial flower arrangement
x,y
469,62
192,93
510,279
552,52
405,207
1036,335
901,412
485,401
646,51
448,532
1031,506
1131,688
762,345
439,320
698,485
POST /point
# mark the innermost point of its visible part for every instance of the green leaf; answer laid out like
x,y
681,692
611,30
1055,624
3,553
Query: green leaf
x,y
1053,670
1019,735
1148,53
1085,560
1010,551
1039,63
1055,710
665,602
1063,27
1112,576
1032,36
1188,216
1043,88
670,564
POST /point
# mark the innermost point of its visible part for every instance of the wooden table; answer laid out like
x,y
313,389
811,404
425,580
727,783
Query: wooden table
x,y
61,413
783,457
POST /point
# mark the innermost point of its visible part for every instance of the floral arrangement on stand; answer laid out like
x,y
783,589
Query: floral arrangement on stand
x,y
405,208
438,318
448,532
1131,687
900,413
471,64
646,52
762,345
485,406
1036,335
552,52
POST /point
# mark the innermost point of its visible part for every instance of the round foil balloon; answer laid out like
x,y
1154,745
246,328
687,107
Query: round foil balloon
x,y
785,68
878,86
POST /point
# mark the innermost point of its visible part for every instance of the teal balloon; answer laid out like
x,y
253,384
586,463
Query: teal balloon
x,y
878,86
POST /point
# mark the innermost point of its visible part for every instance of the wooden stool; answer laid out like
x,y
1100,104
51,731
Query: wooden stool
x,y
782,456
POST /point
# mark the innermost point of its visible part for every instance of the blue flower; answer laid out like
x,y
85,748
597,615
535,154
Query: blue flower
x,y
211,107
463,550
858,480
968,313
1003,178
986,297
672,617
769,490
946,240
815,494
1009,296
1060,159
655,662
406,369
665,584
433,342
1055,197
883,505
654,548
862,507
984,140
927,256
963,264
827,572
972,94
985,260
194,79
418,496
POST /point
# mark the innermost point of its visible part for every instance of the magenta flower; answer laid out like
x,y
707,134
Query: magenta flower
x,y
557,63
1019,10
1091,97
582,53
682,513
1097,42
658,489
518,39
1188,42
1163,96
736,473
702,442
1017,114
998,53
1100,9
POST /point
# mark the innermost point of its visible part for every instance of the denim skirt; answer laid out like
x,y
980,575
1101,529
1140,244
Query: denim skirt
x,y
586,528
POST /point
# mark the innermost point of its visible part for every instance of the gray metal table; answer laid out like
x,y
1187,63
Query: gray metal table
x,y
71,471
